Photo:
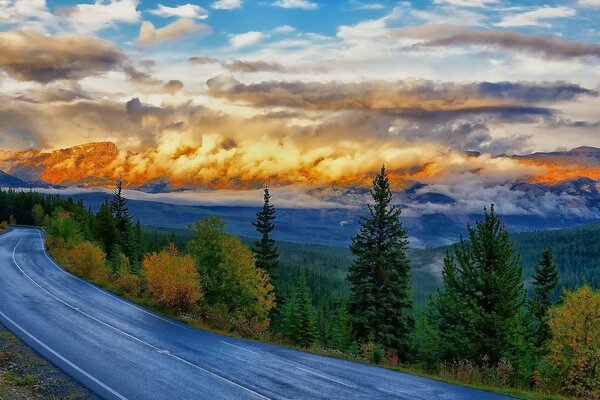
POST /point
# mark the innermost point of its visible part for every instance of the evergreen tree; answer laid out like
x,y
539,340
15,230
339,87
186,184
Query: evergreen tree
x,y
545,280
119,208
300,325
265,249
341,327
480,308
380,301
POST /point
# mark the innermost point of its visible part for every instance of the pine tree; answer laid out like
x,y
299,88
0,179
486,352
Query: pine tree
x,y
545,280
265,249
300,324
341,327
380,301
480,308
105,228
123,223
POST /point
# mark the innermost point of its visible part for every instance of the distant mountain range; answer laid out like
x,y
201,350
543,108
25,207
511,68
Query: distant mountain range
x,y
567,195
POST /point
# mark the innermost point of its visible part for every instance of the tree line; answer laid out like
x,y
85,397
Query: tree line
x,y
482,327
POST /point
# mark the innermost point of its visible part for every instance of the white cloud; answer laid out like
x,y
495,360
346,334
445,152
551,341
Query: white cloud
x,y
102,14
537,17
226,4
303,4
246,39
284,29
359,5
20,11
466,3
149,35
589,3
182,11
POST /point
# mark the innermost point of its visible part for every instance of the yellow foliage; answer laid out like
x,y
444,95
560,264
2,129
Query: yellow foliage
x,y
128,283
172,279
254,297
575,346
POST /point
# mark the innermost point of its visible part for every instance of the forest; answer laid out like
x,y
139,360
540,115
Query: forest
x,y
508,311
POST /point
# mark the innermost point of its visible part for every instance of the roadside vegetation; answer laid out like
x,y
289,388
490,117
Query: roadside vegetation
x,y
484,328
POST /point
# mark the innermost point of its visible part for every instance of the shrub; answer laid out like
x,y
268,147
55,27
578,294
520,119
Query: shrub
x,y
128,284
87,260
574,349
172,279
3,226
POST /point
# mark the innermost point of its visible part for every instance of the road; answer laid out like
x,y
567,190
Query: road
x,y
121,351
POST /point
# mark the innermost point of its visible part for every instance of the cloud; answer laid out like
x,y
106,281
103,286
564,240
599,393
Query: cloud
x,y
253,66
246,66
547,47
35,56
393,96
284,29
537,17
467,3
589,3
203,60
173,86
13,12
101,15
183,11
226,4
150,36
302,4
359,5
246,39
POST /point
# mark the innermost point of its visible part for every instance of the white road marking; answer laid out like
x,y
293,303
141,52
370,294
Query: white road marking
x,y
105,292
326,377
238,347
252,392
71,364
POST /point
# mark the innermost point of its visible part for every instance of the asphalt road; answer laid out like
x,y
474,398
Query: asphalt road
x,y
121,351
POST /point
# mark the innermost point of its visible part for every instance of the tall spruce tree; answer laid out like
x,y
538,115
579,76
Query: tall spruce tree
x,y
545,280
265,248
480,308
119,208
341,336
380,302
105,228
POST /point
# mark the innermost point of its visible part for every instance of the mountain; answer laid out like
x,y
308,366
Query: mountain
x,y
75,166
567,195
9,181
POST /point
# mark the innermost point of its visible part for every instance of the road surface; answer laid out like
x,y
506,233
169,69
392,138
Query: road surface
x,y
121,351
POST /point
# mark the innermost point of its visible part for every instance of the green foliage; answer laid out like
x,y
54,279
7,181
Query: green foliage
x,y
380,301
234,288
265,248
480,309
545,280
62,225
300,325
341,335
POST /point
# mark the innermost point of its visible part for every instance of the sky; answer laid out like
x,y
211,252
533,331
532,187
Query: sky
x,y
233,93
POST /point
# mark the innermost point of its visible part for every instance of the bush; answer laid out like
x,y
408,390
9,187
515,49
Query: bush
x,y
466,371
86,260
574,349
129,284
172,279
3,226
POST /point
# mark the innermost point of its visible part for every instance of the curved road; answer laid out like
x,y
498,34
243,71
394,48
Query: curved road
x,y
121,351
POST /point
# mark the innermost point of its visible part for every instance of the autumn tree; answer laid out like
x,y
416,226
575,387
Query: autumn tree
x,y
545,280
480,307
380,303
172,279
574,348
234,286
